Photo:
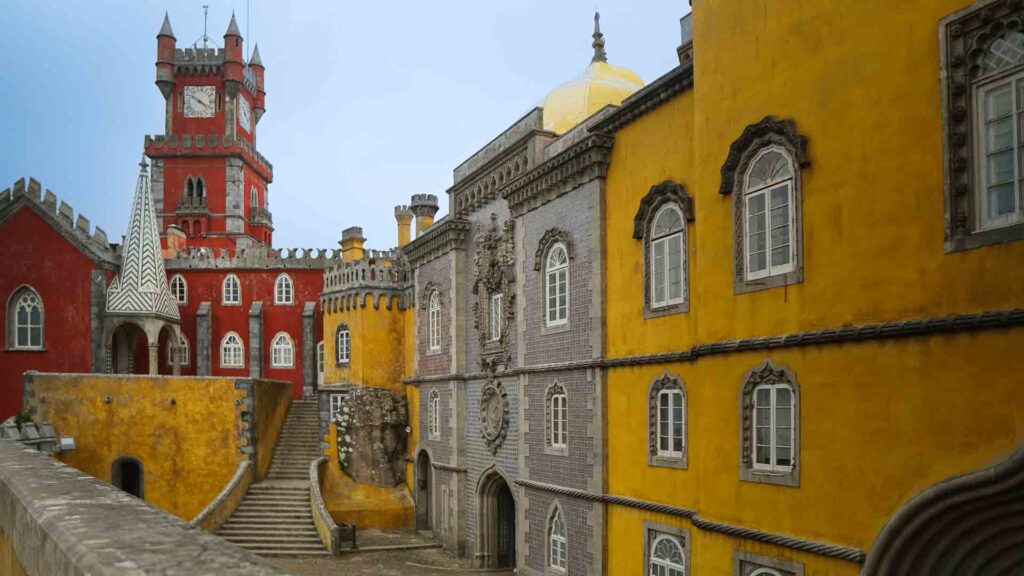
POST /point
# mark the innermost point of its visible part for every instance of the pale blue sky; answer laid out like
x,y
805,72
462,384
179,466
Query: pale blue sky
x,y
367,102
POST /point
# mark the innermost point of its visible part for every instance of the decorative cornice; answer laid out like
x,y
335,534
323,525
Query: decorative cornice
x,y
837,551
769,130
658,195
549,239
439,239
648,98
567,170
448,467
954,323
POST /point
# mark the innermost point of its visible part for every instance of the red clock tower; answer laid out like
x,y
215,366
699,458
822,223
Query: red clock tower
x,y
208,179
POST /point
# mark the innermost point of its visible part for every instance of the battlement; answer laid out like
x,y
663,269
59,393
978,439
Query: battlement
x,y
158,145
381,269
78,230
403,210
199,56
252,258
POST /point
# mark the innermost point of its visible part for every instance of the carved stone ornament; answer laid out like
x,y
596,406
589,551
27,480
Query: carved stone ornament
x,y
769,130
549,239
494,273
494,414
660,194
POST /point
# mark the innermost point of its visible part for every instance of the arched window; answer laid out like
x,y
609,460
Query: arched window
x,y
282,351
343,345
770,403
557,283
178,355
190,188
320,363
557,541
497,320
199,188
768,236
231,291
254,198
179,289
283,290
667,557
765,572
434,414
434,321
667,422
232,351
668,257
25,320
558,417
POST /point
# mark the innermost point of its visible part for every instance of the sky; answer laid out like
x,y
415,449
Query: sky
x,y
367,102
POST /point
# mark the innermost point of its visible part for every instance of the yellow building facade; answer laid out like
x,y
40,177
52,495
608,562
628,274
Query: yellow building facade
x,y
838,334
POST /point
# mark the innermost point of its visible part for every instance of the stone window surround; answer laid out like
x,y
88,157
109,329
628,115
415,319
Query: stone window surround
x,y
286,277
767,373
555,387
654,529
428,291
434,415
964,37
337,357
746,563
12,326
290,344
666,381
783,134
241,344
659,195
223,292
555,508
550,238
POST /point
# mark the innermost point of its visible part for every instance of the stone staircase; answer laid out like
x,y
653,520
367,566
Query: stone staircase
x,y
275,518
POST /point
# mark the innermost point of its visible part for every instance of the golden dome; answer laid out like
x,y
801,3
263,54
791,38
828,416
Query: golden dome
x,y
600,84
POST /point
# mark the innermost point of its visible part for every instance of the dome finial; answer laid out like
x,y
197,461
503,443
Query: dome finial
x,y
599,53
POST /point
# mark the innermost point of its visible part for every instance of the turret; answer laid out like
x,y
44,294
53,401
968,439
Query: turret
x,y
256,65
234,62
403,214
424,206
352,244
165,45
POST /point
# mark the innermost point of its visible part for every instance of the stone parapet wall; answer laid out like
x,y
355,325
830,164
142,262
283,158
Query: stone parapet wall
x,y
161,145
58,520
196,258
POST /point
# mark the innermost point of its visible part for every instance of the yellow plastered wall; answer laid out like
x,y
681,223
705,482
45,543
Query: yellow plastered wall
x,y
376,356
412,394
9,563
189,450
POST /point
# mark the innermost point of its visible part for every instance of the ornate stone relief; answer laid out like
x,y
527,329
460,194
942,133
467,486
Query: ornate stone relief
x,y
494,273
769,130
494,414
549,238
659,195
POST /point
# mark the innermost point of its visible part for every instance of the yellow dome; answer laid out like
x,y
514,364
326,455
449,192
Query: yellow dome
x,y
600,84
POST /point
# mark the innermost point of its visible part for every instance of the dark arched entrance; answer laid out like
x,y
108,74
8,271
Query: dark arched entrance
x,y
424,493
496,544
128,350
126,474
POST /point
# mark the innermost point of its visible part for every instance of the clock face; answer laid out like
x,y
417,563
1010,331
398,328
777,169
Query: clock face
x,y
244,114
199,101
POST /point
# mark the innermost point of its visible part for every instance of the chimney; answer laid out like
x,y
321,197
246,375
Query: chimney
x,y
403,214
685,49
352,244
424,206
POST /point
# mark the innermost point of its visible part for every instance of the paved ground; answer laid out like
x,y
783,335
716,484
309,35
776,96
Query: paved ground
x,y
421,562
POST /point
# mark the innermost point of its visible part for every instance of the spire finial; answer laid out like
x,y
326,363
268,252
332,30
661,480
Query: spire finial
x,y
233,27
255,59
165,30
599,53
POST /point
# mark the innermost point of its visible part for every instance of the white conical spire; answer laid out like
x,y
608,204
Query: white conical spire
x,y
140,287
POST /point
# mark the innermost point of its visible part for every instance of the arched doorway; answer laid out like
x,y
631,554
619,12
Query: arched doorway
x,y
496,541
126,474
424,492
128,350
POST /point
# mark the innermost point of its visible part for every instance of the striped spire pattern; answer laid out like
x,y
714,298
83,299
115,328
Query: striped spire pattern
x,y
140,287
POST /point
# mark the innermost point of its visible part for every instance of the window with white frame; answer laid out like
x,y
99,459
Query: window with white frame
x,y
771,413
765,572
179,289
232,351
557,541
434,414
671,412
284,291
668,258
1000,105
557,282
558,417
178,355
320,362
25,320
496,317
231,291
769,243
342,345
336,401
282,351
666,557
254,198
434,321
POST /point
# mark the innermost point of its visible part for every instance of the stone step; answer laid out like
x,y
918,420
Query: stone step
x,y
247,529
284,546
269,522
269,553
272,515
313,540
283,490
294,507
290,497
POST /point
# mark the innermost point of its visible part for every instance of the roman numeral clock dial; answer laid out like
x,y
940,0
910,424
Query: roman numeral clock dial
x,y
199,101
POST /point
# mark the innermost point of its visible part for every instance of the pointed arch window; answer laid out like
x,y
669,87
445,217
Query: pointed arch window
x,y
282,351
200,188
254,198
178,355
343,345
667,558
25,320
232,351
190,188
231,291
434,321
434,414
557,549
179,289
557,285
284,290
